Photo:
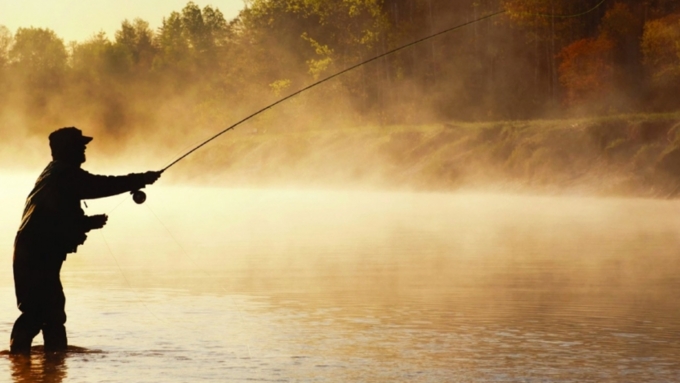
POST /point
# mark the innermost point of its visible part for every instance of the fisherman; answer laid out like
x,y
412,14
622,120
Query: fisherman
x,y
54,225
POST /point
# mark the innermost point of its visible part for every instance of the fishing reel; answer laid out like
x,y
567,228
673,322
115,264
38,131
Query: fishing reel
x,y
138,196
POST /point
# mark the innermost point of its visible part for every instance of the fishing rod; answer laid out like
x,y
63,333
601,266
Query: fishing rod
x,y
330,78
139,196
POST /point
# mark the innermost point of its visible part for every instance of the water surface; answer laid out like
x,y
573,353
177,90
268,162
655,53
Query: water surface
x,y
302,285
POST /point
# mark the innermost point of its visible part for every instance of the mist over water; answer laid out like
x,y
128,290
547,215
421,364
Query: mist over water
x,y
254,259
218,284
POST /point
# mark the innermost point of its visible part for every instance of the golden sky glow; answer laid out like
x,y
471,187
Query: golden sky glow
x,y
77,20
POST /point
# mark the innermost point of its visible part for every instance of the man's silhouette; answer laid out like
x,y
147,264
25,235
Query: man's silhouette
x,y
53,225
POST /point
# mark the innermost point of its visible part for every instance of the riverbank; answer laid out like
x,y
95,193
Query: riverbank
x,y
633,155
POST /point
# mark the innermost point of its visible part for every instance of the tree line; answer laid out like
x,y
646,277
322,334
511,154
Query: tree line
x,y
199,68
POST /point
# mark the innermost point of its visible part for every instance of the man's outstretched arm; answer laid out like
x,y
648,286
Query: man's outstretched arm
x,y
90,186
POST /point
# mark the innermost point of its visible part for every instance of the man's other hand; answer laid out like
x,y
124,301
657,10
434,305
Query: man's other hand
x,y
97,221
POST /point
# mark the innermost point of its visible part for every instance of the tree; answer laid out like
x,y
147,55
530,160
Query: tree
x,y
550,33
310,39
136,39
622,24
662,8
39,56
192,41
661,50
98,61
5,44
586,71
174,47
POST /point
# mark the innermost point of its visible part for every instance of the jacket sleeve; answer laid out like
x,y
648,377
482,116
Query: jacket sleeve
x,y
90,186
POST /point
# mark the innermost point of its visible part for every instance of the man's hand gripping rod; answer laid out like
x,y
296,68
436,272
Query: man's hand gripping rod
x,y
149,177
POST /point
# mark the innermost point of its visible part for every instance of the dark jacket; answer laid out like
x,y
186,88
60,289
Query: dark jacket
x,y
53,223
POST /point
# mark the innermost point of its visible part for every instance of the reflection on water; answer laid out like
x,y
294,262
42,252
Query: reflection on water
x,y
240,285
38,368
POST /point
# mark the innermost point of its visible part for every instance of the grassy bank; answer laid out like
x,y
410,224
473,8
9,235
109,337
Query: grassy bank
x,y
635,155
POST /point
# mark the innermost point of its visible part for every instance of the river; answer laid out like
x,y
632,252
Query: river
x,y
289,285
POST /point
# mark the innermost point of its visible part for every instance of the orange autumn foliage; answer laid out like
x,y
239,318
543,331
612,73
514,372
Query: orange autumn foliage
x,y
586,70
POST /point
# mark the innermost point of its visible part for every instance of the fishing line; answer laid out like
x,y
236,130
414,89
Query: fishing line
x,y
418,41
186,254
127,282
148,310
117,205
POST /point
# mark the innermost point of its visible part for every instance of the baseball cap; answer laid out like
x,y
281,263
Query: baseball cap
x,y
68,136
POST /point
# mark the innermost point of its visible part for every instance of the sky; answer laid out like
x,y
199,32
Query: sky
x,y
78,20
